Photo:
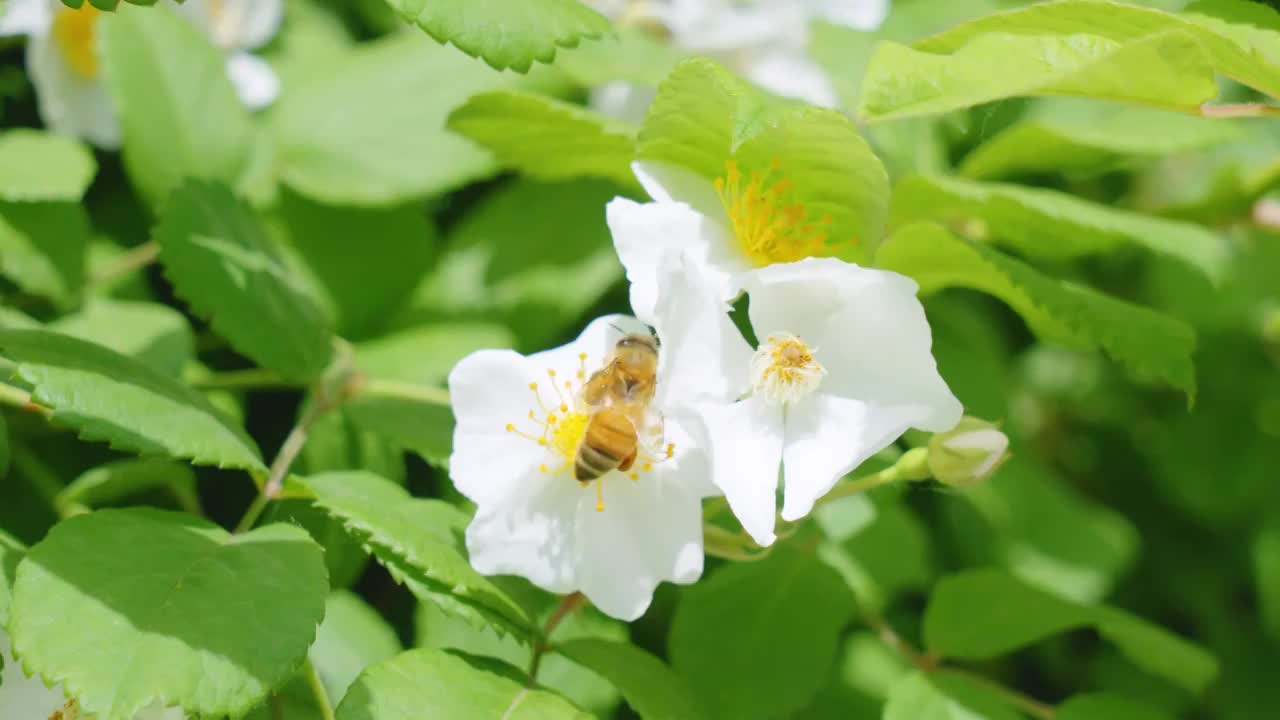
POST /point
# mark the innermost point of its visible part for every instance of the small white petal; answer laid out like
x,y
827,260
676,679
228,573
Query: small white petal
x,y
675,183
25,17
790,73
22,696
530,532
856,14
623,100
828,436
236,24
70,104
597,340
744,440
488,390
254,79
649,531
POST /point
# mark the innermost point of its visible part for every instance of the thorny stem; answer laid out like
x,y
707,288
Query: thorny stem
x,y
317,690
568,604
21,399
135,259
927,663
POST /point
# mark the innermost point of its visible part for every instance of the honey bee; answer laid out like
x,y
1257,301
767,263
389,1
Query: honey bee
x,y
618,396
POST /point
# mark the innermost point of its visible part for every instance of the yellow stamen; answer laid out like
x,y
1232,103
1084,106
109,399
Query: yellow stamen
x,y
769,225
74,32
599,496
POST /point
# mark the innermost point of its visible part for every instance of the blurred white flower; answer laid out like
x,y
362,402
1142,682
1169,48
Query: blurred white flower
x,y
968,453
766,41
63,58
24,697
843,368
520,421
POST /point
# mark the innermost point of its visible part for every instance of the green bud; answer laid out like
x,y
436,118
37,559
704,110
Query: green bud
x,y
968,453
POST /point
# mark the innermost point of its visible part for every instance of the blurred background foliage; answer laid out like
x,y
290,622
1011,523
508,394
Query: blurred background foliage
x,y
425,250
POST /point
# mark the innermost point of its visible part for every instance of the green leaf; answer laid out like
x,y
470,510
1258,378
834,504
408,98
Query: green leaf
x,y
424,355
118,480
352,637
178,112
397,246
420,541
1049,224
635,56
506,33
4,452
944,696
179,611
421,424
109,397
650,687
547,139
1266,575
1167,69
982,614
367,127
885,554
704,117
40,166
42,248
1067,136
436,684
757,640
1148,343
154,334
1244,50
219,259
11,553
1102,706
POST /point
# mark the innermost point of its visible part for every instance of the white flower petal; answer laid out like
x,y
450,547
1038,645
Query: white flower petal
x,y
649,531
798,298
744,440
22,696
675,183
623,100
25,17
724,26
704,357
236,24
828,436
254,79
856,14
70,104
530,532
597,340
488,390
790,73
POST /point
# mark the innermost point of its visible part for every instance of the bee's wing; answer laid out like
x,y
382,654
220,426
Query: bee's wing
x,y
651,432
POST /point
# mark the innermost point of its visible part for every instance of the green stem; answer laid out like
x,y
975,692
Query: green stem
x,y
1027,704
21,399
568,604
913,465
1241,110
407,391
133,260
317,690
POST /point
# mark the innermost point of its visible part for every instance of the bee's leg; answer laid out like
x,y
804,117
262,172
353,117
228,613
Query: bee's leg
x,y
629,460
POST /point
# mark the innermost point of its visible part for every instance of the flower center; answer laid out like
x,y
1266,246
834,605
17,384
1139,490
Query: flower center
x,y
769,224
561,426
73,31
784,370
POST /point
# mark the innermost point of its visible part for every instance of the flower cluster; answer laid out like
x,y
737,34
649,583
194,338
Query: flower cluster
x,y
841,369
63,58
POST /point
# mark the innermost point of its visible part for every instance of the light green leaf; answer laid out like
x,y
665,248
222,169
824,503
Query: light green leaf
x,y
635,56
1168,69
178,111
944,696
11,553
37,166
1244,51
649,686
395,245
121,479
546,138
367,127
506,33
1044,223
42,248
352,637
884,557
436,684
219,259
424,355
1148,343
981,614
421,424
704,117
789,603
1068,136
154,334
108,397
178,610
1102,706
420,541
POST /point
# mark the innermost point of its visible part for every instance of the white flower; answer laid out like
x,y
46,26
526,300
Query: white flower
x,y
743,220
24,697
519,424
63,58
842,370
764,40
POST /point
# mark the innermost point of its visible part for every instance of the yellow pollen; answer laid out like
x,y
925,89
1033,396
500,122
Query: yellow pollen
x,y
568,433
769,224
73,31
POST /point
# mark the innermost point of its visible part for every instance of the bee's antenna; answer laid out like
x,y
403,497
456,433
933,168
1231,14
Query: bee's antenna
x,y
615,327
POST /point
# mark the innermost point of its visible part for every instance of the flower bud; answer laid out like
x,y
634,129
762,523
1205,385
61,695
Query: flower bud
x,y
968,453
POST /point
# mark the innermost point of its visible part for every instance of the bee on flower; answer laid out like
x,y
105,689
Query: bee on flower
x,y
63,58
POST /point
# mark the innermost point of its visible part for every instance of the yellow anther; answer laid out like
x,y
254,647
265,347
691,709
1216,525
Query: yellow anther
x,y
533,386
511,428
551,419
633,476
769,225
542,468
599,497
564,408
648,467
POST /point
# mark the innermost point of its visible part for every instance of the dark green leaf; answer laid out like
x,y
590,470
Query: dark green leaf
x,y
649,686
945,696
154,334
1101,706
118,480
42,248
11,553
